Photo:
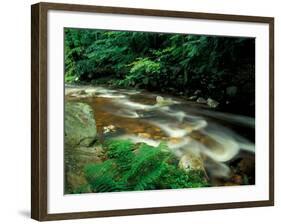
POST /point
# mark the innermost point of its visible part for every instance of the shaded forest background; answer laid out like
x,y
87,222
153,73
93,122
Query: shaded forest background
x,y
221,68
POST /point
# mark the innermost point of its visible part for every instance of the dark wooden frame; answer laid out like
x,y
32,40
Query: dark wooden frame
x,y
39,110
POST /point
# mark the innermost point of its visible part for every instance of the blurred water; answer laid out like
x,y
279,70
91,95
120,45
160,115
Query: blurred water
x,y
185,126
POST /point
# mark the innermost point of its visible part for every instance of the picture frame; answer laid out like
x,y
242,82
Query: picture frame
x,y
41,86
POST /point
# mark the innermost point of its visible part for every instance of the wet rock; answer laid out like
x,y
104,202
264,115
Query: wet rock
x,y
156,137
69,91
75,159
175,140
90,92
109,128
161,101
192,97
80,126
201,100
212,103
197,92
144,135
191,161
172,89
81,92
86,155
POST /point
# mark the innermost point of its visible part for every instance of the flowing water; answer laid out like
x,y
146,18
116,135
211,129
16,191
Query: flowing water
x,y
224,141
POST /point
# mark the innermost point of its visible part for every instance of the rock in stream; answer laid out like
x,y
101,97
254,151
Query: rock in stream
x,y
80,126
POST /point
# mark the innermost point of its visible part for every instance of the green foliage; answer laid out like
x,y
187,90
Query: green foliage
x,y
143,72
101,177
146,168
121,152
139,167
176,178
178,61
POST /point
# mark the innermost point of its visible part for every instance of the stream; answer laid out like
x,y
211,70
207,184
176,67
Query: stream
x,y
224,141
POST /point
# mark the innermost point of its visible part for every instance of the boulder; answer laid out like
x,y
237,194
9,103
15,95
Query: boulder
x,y
192,97
191,161
80,126
161,101
201,100
87,155
212,103
197,92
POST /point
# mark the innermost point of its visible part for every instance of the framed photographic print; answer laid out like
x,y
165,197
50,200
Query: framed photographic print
x,y
139,111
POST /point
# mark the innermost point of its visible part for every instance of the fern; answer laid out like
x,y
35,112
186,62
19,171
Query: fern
x,y
139,167
146,168
101,177
121,152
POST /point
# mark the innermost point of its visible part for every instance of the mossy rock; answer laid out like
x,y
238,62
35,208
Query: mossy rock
x,y
80,126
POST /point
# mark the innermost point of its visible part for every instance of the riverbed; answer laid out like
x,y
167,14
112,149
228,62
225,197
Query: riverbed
x,y
224,141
